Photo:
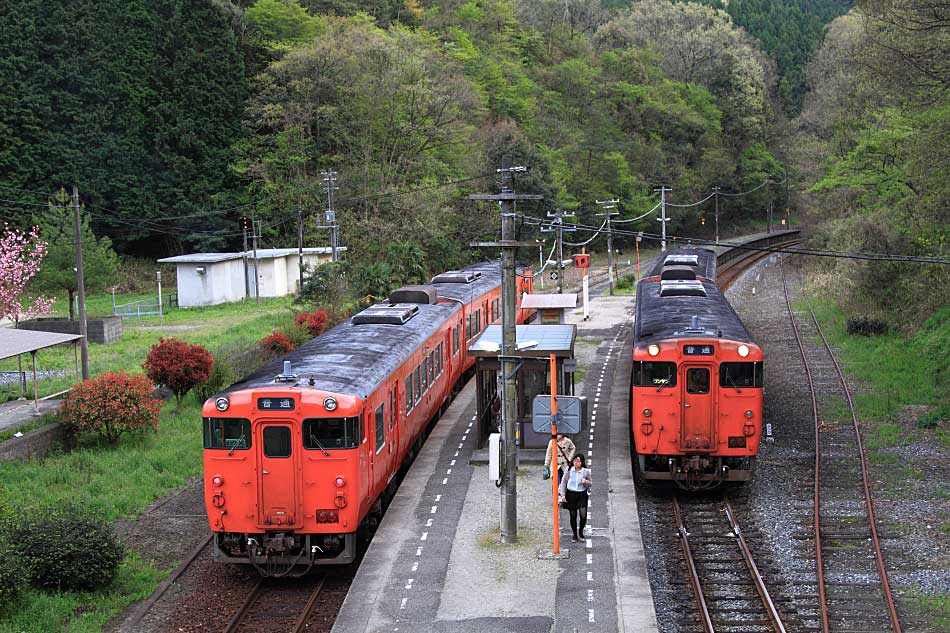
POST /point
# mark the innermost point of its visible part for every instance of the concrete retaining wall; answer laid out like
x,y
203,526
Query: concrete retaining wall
x,y
33,445
106,330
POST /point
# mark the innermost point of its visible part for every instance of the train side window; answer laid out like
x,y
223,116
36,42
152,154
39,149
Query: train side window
x,y
276,441
332,433
438,362
418,385
739,375
424,369
432,372
392,407
380,428
409,399
227,433
478,323
654,374
455,340
697,380
468,326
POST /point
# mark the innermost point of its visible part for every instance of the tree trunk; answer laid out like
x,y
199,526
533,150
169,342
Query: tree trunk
x,y
178,397
71,315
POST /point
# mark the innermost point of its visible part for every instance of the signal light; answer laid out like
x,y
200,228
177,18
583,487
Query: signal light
x,y
245,223
702,220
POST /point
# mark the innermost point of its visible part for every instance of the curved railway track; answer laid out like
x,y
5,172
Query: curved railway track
x,y
715,550
854,593
279,605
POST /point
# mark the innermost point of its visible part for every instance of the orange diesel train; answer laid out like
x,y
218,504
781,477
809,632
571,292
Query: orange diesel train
x,y
303,455
696,386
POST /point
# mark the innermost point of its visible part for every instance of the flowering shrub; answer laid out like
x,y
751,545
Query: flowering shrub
x,y
315,322
110,405
178,366
276,344
20,257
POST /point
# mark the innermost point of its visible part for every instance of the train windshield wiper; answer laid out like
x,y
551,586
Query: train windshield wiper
x,y
239,442
316,442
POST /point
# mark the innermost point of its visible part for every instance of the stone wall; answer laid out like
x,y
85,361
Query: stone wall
x,y
105,330
33,445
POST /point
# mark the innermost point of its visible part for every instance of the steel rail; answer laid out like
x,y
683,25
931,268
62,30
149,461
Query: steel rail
x,y
758,581
819,560
693,573
238,618
302,620
865,477
733,268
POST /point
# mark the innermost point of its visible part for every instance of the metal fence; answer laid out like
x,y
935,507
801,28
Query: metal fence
x,y
137,309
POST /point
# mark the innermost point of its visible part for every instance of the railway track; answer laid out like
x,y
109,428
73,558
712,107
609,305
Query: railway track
x,y
727,583
279,605
727,273
854,593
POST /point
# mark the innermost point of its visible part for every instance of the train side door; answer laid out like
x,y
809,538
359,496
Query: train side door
x,y
698,427
278,480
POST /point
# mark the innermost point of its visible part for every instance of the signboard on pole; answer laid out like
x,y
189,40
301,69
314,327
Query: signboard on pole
x,y
571,413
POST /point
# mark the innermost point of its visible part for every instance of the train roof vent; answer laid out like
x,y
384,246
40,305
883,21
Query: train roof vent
x,y
425,295
386,314
678,272
682,288
457,277
681,260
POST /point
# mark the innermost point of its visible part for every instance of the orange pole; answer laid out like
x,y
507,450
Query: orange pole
x,y
554,481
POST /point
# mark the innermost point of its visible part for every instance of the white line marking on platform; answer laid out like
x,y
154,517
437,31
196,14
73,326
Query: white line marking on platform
x,y
590,615
590,542
438,498
590,559
418,551
409,584
425,536
460,446
448,472
456,454
590,595
445,481
452,463
590,576
415,566
429,523
402,605
434,509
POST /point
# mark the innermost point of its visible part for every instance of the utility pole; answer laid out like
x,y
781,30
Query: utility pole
x,y
557,226
509,348
329,177
663,191
716,191
255,232
80,286
300,248
607,205
768,193
245,225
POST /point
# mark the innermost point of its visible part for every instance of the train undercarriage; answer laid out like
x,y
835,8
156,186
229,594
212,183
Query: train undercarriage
x,y
697,471
277,554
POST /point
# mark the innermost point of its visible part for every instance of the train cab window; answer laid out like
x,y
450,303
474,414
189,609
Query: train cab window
x,y
739,375
697,380
327,434
654,374
232,434
409,399
380,428
276,441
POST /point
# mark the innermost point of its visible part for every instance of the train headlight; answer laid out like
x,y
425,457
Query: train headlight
x,y
339,482
653,350
743,350
647,413
222,404
330,404
748,413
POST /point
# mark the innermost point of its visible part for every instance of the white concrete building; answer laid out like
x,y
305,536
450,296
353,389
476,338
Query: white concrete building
x,y
206,279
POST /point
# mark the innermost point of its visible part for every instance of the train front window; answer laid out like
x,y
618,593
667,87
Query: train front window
x,y
654,374
740,375
697,380
330,433
233,434
276,441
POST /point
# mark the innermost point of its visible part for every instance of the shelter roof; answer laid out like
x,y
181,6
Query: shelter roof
x,y
531,340
262,253
16,342
563,301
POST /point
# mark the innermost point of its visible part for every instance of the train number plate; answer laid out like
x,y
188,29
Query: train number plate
x,y
698,350
275,404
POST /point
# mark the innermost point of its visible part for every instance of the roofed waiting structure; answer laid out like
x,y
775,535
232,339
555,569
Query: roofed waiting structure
x,y
17,342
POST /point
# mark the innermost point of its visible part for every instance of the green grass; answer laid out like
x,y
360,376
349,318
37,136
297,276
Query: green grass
x,y
898,369
26,427
883,436
939,607
82,612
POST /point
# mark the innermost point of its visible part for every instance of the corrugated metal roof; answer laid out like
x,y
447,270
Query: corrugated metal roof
x,y
262,253
564,301
531,340
15,342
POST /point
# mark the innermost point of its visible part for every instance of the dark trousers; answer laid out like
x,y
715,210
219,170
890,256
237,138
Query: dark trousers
x,y
577,505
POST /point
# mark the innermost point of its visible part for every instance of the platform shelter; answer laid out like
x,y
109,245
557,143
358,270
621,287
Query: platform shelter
x,y
17,342
551,309
535,344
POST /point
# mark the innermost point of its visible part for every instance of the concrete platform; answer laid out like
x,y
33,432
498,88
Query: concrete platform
x,y
436,563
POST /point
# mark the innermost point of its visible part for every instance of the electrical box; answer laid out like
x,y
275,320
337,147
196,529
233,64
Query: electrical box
x,y
582,260
494,457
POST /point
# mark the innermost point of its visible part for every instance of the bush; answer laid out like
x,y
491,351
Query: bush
x,y
315,322
276,344
178,366
11,578
222,376
111,404
66,550
866,326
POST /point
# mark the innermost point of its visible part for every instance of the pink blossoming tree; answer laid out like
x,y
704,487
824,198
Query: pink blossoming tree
x,y
20,257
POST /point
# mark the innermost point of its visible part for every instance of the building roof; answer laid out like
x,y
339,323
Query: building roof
x,y
262,253
16,342
531,340
562,301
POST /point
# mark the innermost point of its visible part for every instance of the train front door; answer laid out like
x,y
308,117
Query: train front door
x,y
278,475
698,428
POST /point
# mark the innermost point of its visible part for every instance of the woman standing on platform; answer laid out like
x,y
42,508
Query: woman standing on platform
x,y
565,453
574,489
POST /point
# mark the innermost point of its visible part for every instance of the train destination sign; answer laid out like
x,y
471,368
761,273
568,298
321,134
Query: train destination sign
x,y
275,404
698,350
